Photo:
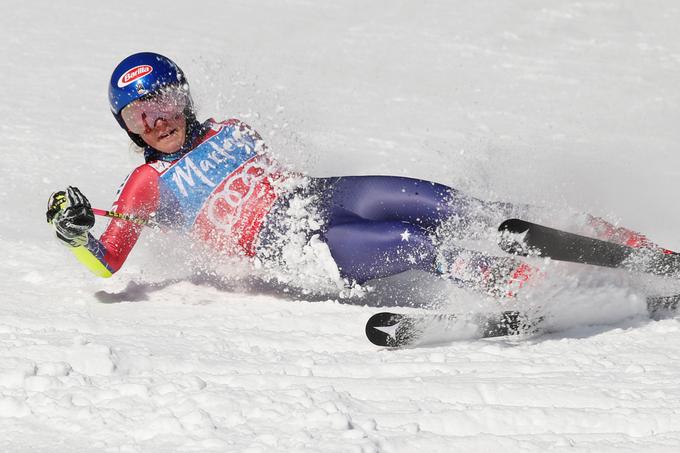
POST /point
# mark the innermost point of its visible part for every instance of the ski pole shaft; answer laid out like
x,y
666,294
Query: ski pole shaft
x,y
129,218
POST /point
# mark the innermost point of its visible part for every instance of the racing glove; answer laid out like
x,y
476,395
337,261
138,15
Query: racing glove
x,y
71,215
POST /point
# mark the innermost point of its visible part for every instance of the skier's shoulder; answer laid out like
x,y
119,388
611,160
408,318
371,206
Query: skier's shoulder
x,y
142,177
237,127
150,170
231,122
222,123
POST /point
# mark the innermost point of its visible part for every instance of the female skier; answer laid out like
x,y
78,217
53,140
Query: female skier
x,y
215,181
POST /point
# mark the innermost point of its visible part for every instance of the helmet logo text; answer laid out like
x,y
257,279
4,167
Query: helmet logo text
x,y
133,74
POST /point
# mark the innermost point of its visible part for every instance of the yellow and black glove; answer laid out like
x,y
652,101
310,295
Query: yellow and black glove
x,y
71,215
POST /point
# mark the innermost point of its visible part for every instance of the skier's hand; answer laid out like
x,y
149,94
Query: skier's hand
x,y
71,215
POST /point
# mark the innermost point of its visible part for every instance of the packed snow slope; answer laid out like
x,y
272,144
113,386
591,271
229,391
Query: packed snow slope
x,y
559,103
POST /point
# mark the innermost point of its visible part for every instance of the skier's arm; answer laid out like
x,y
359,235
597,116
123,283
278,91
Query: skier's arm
x,y
92,255
105,256
72,217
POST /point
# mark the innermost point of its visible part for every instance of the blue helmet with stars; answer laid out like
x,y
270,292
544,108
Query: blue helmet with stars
x,y
139,75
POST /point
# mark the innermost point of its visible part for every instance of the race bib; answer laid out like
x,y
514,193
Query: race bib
x,y
220,191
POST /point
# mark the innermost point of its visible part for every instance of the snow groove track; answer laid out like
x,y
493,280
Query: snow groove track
x,y
577,100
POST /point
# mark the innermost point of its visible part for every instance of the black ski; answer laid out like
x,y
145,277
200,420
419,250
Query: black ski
x,y
520,237
397,330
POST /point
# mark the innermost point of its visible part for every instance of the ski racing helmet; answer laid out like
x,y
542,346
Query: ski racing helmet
x,y
143,75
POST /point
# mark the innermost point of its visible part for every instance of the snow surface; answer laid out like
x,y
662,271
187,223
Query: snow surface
x,y
554,102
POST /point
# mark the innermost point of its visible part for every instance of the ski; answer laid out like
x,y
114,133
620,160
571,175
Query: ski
x,y
397,330
519,237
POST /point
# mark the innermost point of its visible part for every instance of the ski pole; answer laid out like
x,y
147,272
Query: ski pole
x,y
129,218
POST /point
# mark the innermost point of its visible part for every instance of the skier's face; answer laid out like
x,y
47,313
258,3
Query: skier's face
x,y
159,119
167,135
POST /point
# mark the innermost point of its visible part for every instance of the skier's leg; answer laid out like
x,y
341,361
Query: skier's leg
x,y
602,229
394,198
596,227
367,250
494,275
